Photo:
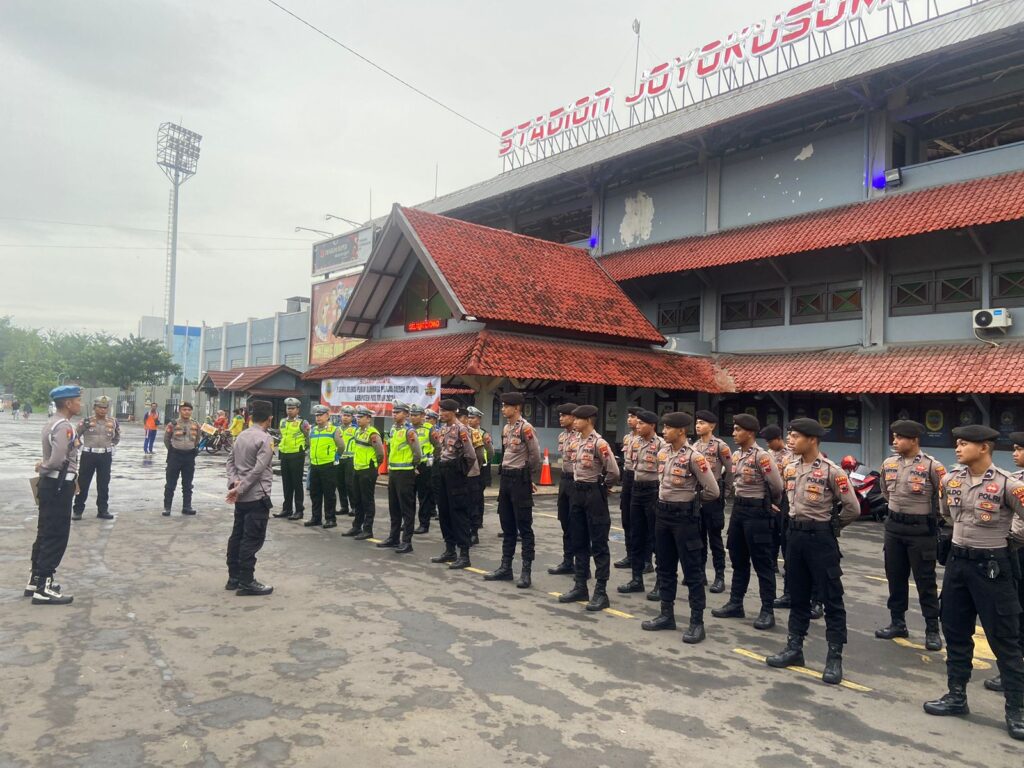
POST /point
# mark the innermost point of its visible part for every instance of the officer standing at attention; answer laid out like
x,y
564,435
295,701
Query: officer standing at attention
x,y
684,473
346,473
712,514
911,484
567,455
325,441
456,463
367,454
594,472
772,435
97,435
404,457
628,472
425,473
181,438
57,472
646,445
484,448
250,477
292,454
758,491
815,485
980,582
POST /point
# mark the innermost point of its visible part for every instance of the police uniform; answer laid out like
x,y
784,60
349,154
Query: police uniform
x,y
425,475
911,485
567,439
181,438
324,444
782,457
643,454
97,436
626,492
346,471
404,456
981,581
815,490
292,454
712,513
751,541
456,463
367,454
685,477
484,449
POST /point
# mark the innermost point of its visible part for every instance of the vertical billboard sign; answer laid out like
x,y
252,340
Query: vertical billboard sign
x,y
328,302
342,252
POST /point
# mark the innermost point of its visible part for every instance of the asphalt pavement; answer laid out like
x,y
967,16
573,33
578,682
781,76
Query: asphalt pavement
x,y
366,657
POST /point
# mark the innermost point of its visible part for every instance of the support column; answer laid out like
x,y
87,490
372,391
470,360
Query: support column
x,y
713,194
276,358
878,150
224,347
248,343
874,298
597,220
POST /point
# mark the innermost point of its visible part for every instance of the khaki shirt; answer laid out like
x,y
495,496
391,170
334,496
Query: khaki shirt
x,y
1017,526
814,488
629,452
99,433
594,458
519,446
59,445
182,435
646,461
719,458
249,464
981,512
756,472
912,486
684,473
455,440
782,458
567,440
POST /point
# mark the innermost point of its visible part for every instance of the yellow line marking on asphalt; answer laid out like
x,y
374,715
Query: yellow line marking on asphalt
x,y
475,570
555,517
978,663
802,670
877,578
612,611
375,541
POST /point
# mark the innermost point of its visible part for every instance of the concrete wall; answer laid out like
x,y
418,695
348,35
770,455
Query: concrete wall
x,y
986,162
665,209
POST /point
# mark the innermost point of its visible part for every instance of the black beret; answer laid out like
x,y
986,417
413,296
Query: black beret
x,y
975,433
771,432
708,416
634,410
1017,438
677,419
566,409
746,421
585,411
907,428
512,398
449,405
808,427
647,417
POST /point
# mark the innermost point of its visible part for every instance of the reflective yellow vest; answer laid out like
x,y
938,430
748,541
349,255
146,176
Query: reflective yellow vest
x,y
322,448
423,433
364,455
399,450
293,439
349,434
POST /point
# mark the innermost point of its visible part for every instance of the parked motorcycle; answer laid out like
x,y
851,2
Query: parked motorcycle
x,y
219,441
867,484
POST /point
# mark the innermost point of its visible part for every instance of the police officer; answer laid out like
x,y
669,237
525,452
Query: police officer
x,y
684,474
980,581
712,514
456,463
815,486
292,454
404,456
346,472
594,472
367,455
250,477
645,447
911,483
628,472
425,473
567,454
325,441
484,447
97,436
758,491
57,472
181,438
772,436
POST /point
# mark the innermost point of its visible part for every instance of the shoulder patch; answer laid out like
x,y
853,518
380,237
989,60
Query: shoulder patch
x,y
528,431
842,482
765,462
1019,494
724,450
702,463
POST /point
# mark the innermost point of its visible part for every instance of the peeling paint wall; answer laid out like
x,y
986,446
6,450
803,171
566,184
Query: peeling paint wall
x,y
651,213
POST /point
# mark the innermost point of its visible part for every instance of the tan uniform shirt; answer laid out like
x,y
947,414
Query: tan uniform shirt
x,y
981,511
58,445
594,458
567,440
249,464
629,452
519,446
813,489
182,435
782,458
1017,526
684,473
455,441
912,486
720,460
756,474
102,434
646,461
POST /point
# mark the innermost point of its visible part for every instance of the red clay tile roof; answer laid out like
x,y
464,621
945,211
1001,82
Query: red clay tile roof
x,y
971,203
497,353
510,278
243,379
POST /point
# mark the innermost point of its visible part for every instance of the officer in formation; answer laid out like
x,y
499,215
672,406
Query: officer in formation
x,y
325,441
181,438
567,438
292,454
456,464
57,473
815,486
628,474
404,457
484,448
772,436
911,484
345,478
712,514
594,472
645,446
250,477
520,458
982,575
425,472
367,455
97,435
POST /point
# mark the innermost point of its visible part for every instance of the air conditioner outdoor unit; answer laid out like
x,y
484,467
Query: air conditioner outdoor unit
x,y
992,318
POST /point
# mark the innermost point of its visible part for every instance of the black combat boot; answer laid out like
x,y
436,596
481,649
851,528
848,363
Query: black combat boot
x,y
817,610
952,703
897,628
718,585
578,592
695,632
655,594
421,528
665,620
76,515
564,568
33,585
932,636
353,531
636,584
104,515
45,594
783,601
448,556
462,561
525,575
731,610
648,567
994,684
232,582
188,509
252,588
833,674
502,573
283,513
403,548
1015,715
296,516
790,656
388,543
625,562
313,521
331,522
363,535
765,619
474,539
600,599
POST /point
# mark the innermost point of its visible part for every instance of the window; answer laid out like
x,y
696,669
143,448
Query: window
x,y
679,316
238,363
419,301
752,310
948,290
213,365
822,302
264,361
294,361
1008,284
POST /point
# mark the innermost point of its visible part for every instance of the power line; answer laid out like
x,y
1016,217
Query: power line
x,y
148,229
143,248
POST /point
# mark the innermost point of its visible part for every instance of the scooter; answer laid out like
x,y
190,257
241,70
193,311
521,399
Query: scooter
x,y
867,484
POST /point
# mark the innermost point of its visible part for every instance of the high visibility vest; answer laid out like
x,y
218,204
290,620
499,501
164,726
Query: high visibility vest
x,y
364,455
293,440
478,442
349,434
399,450
322,448
237,425
423,434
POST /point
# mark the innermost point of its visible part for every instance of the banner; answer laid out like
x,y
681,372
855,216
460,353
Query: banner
x,y
329,300
342,252
377,394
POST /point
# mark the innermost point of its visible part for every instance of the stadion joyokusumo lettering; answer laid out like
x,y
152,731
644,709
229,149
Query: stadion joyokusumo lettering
x,y
377,394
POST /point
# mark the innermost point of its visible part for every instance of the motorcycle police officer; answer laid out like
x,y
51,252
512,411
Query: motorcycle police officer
x,y
292,454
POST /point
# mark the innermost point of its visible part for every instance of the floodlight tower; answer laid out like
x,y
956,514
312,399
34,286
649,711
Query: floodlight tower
x,y
177,154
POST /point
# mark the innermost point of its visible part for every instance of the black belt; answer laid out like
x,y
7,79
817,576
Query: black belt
x,y
809,525
743,501
582,485
969,553
628,472
515,472
567,476
646,483
688,508
899,517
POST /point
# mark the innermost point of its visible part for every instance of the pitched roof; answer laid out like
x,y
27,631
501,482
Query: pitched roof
x,y
899,214
242,379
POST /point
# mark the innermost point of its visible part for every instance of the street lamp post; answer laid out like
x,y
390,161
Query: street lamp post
x,y
329,216
316,231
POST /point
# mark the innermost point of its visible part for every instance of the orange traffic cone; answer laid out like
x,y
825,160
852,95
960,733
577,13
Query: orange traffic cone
x,y
383,468
545,470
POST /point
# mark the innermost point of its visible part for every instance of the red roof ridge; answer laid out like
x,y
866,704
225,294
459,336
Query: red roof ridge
x,y
420,212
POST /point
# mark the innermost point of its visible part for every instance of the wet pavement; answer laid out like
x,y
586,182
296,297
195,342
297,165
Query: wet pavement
x,y
372,658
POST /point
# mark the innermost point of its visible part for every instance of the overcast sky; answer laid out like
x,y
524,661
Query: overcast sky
x,y
293,127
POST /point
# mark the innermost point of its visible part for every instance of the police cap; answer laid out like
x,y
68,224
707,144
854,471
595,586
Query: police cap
x,y
647,417
320,410
103,401
585,411
747,422
429,412
512,398
292,402
708,416
65,392
975,433
416,410
449,405
398,405
677,420
473,411
566,409
808,427
907,428
634,410
348,410
362,410
1017,438
771,432
185,404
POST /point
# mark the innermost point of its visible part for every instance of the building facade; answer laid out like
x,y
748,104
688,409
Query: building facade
x,y
282,339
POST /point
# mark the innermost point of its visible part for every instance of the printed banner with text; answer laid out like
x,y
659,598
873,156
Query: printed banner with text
x,y
378,394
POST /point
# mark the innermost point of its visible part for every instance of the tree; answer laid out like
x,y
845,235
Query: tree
x,y
124,362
